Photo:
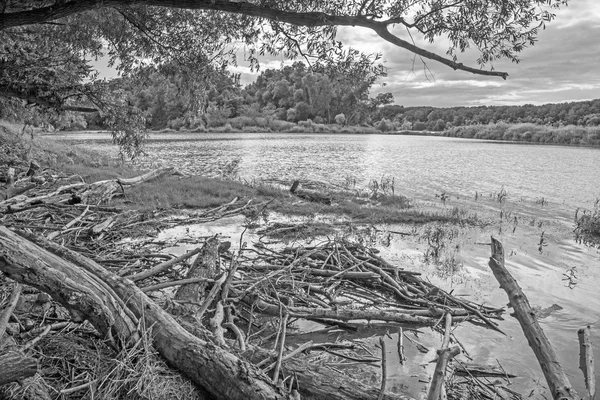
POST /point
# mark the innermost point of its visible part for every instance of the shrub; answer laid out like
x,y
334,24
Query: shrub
x,y
321,128
227,128
340,119
255,129
297,129
319,120
307,124
384,125
176,124
281,126
291,114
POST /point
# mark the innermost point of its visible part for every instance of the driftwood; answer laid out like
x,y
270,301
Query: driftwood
x,y
556,378
94,193
437,381
113,304
8,310
445,354
312,196
586,355
14,366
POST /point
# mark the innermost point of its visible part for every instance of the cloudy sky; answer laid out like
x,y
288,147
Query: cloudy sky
x,y
563,66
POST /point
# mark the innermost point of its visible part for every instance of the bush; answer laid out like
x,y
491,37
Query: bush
x,y
297,129
307,124
384,125
321,128
176,124
281,126
227,128
340,119
319,120
291,115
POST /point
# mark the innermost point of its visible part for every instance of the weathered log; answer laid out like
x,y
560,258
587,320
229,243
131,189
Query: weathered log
x,y
14,366
418,317
557,380
73,280
437,381
586,356
205,266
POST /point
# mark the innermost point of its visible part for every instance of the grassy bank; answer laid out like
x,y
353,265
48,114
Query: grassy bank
x,y
171,192
571,134
269,125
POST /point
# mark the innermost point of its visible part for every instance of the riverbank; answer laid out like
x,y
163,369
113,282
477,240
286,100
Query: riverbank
x,y
522,133
449,252
120,235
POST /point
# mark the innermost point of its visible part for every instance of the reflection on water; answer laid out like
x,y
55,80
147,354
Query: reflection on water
x,y
567,177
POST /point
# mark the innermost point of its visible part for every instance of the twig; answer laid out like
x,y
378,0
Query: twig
x,y
383,369
401,346
163,285
163,266
10,307
281,346
32,343
78,388
211,296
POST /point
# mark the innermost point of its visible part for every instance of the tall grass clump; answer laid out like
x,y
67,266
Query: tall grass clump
x,y
587,225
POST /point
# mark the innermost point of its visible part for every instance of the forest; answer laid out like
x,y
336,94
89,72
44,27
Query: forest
x,y
298,98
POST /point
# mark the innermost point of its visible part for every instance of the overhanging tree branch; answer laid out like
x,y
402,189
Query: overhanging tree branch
x,y
309,19
44,102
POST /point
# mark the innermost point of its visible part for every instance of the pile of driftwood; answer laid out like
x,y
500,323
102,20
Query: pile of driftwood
x,y
225,325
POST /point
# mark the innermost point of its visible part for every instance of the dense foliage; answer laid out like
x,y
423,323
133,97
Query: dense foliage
x,y
582,113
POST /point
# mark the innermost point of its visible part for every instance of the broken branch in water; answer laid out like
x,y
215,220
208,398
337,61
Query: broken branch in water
x,y
586,355
557,380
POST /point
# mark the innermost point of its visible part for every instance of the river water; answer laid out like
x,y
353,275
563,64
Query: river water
x,y
565,178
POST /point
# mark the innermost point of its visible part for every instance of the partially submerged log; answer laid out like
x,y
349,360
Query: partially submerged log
x,y
557,380
586,356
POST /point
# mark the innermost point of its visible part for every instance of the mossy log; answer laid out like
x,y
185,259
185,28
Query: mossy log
x,y
116,307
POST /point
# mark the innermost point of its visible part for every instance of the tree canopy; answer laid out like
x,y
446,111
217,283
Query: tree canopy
x,y
46,46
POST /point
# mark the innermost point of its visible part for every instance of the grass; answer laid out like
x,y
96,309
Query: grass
x,y
80,359
587,225
379,205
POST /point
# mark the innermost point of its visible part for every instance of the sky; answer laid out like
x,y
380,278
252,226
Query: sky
x,y
563,66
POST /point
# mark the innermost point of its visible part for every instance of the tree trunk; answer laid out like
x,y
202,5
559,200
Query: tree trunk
x,y
559,384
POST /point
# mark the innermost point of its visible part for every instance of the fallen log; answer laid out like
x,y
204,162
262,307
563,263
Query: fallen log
x,y
14,366
418,317
557,380
80,285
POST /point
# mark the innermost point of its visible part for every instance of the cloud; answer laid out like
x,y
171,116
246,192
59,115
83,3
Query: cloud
x,y
561,67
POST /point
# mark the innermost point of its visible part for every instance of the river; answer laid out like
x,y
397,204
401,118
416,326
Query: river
x,y
565,178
